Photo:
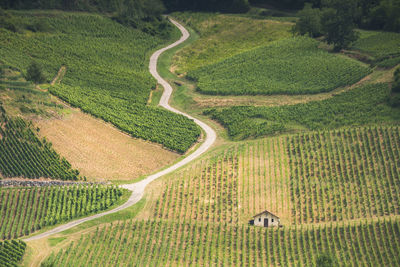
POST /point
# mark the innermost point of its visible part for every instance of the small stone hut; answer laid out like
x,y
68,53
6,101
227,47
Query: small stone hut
x,y
266,219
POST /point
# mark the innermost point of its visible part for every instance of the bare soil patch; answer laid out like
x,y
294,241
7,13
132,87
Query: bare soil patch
x,y
100,151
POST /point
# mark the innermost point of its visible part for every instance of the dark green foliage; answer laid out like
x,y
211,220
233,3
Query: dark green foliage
x,y
385,16
360,106
338,23
309,21
396,81
26,210
11,252
34,73
23,154
237,6
325,260
395,101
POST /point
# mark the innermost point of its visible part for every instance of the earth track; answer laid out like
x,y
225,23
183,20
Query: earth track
x,y
139,187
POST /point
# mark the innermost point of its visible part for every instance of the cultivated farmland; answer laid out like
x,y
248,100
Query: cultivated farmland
x,y
106,75
289,66
25,210
23,154
363,105
11,252
160,243
382,47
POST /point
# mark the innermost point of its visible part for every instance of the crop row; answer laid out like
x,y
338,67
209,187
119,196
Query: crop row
x,y
25,210
345,174
23,154
315,177
11,252
367,104
189,243
107,72
289,66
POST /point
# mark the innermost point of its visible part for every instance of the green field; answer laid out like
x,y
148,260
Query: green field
x,y
217,40
366,104
23,154
159,243
289,66
336,193
26,210
107,74
383,47
11,252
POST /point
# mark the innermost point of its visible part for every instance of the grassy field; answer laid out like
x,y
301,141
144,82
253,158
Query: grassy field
x,y
336,193
26,210
106,74
217,40
289,66
364,105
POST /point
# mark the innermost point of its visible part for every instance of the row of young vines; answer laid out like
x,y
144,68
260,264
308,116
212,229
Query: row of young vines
x,y
25,210
190,243
11,252
23,154
312,177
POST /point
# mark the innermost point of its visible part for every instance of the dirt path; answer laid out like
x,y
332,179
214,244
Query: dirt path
x,y
138,188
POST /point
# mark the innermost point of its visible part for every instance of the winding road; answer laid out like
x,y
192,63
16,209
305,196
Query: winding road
x,y
139,187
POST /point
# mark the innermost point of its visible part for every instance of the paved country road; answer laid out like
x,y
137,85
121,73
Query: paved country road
x,y
138,188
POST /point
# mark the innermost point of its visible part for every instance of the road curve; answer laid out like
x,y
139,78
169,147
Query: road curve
x,y
139,187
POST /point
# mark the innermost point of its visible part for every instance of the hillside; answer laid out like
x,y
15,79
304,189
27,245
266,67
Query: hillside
x,y
290,145
106,71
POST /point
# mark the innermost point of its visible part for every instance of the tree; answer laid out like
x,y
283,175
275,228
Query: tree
x,y
34,73
309,21
338,22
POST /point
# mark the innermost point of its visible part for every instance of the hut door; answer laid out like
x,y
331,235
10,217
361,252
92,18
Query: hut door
x,y
265,222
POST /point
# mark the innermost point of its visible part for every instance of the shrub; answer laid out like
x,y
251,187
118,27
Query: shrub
x,y
34,73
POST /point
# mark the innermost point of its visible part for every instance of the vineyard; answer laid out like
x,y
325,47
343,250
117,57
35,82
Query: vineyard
x,y
315,177
25,210
217,41
23,154
190,243
382,46
289,66
107,73
367,104
336,193
11,252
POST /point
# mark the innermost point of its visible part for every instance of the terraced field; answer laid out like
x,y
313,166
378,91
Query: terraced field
x,y
289,66
107,73
337,189
26,210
